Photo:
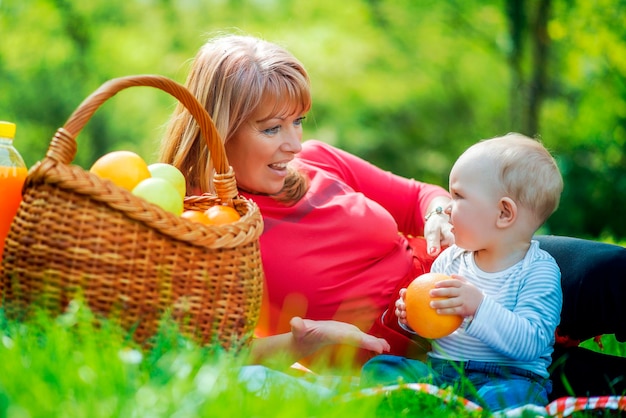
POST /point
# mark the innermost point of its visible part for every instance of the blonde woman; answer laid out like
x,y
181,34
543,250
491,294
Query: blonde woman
x,y
336,245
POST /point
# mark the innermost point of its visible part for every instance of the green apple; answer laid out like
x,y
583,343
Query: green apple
x,y
161,193
171,174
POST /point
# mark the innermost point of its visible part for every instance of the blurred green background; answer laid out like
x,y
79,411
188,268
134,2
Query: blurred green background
x,y
406,84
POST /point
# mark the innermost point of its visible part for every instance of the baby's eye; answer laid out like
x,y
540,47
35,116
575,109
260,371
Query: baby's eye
x,y
299,121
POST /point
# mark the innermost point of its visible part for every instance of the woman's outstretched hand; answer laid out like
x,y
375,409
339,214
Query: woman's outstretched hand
x,y
306,338
309,336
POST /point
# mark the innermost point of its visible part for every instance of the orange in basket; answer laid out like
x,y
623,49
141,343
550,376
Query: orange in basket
x,y
124,168
222,215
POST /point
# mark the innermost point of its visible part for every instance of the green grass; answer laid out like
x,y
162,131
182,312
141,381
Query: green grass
x,y
68,367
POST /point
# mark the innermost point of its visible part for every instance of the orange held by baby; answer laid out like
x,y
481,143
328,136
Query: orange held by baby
x,y
423,319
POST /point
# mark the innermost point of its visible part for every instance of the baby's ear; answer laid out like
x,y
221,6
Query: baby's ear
x,y
507,212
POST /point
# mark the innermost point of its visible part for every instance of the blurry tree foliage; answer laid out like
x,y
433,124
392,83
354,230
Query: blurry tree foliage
x,y
405,84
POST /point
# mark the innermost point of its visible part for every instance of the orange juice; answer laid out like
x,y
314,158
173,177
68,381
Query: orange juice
x,y
11,182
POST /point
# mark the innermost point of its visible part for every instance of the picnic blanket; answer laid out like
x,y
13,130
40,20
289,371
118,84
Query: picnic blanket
x,y
262,381
561,407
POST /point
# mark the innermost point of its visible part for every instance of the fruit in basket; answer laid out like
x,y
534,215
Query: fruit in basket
x,y
221,214
161,193
421,317
171,174
196,216
124,168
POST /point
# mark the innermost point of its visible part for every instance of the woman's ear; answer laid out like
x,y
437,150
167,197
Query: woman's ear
x,y
508,212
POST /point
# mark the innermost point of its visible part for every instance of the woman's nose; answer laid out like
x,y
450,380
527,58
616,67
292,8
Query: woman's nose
x,y
292,141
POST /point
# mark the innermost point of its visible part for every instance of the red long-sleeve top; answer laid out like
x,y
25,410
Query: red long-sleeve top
x,y
337,253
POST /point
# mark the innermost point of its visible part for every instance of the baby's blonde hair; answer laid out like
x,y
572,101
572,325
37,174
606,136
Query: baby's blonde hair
x,y
527,172
231,76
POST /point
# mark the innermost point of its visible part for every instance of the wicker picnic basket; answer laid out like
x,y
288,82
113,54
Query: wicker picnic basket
x,y
77,235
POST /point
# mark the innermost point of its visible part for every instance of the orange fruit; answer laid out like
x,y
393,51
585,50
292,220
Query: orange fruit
x,y
421,317
124,168
220,214
196,216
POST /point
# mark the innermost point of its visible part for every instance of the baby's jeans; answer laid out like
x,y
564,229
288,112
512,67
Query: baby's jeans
x,y
492,386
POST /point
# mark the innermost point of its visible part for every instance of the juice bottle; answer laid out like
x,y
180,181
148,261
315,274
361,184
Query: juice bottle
x,y
12,175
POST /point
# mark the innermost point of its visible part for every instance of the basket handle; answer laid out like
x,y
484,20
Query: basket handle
x,y
65,153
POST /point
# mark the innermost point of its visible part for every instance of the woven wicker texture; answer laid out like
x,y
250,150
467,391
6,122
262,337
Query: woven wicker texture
x,y
76,233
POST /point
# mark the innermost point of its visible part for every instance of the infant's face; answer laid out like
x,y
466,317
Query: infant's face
x,y
475,195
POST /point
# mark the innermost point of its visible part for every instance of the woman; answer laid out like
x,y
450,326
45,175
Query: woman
x,y
336,245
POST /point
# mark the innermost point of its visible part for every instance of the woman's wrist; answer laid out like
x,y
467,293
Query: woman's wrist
x,y
437,211
437,207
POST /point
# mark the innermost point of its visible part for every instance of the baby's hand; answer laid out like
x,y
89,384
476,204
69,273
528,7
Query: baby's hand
x,y
401,307
459,297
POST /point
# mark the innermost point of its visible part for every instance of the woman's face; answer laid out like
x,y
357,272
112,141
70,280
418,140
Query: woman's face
x,y
261,148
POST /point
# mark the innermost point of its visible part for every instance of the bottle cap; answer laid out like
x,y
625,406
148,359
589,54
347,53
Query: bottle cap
x,y
7,129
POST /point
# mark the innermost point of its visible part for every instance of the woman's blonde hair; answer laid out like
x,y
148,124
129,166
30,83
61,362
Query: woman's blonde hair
x,y
231,76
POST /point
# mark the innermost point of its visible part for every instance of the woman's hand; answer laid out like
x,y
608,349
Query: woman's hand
x,y
309,336
437,227
306,338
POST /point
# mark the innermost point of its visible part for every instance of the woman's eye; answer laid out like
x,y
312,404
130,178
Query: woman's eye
x,y
275,129
271,131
